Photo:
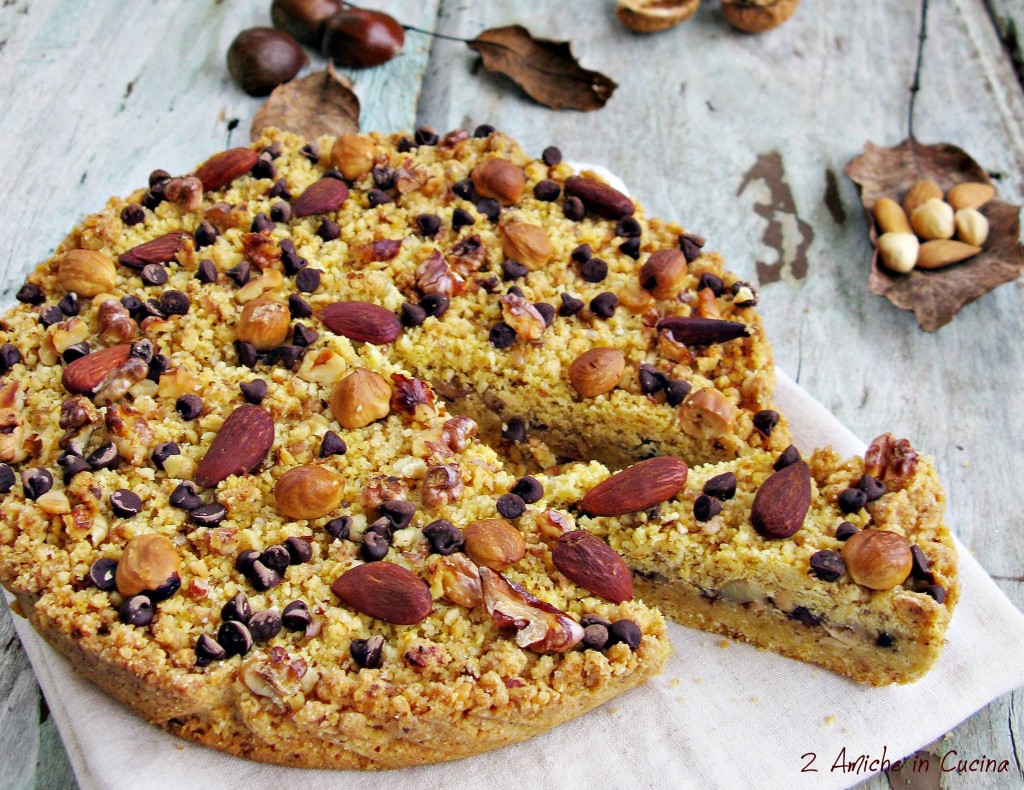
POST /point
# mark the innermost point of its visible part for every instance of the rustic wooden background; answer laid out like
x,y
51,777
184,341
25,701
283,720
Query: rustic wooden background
x,y
742,139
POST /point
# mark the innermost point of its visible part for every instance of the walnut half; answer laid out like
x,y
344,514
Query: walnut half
x,y
540,626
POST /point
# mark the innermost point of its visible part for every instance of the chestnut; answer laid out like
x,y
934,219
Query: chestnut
x,y
358,38
262,58
304,19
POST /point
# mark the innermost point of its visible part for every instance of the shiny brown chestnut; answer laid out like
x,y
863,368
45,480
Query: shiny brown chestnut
x,y
303,19
358,38
262,58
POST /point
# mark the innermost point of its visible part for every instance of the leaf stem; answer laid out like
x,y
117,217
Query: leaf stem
x,y
916,84
434,34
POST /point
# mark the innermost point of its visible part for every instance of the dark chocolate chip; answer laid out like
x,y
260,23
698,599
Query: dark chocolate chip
x,y
253,391
72,466
428,224
310,151
260,223
722,487
247,353
595,619
652,380
262,577
237,609
461,219
547,312
137,610
529,489
208,515
104,457
412,314
132,304
427,135
245,561
766,420
551,156
706,508
11,356
208,651
376,197
465,189
594,270
444,537
280,211
625,631
712,281
368,653
383,176
574,209
513,270
132,214
304,336
547,190
595,636
852,500
50,315
628,228
514,431
185,497
273,150
280,190
332,444
240,273
69,304
205,234
603,305
570,305
276,558
163,451
922,566
264,625
489,208
7,478
153,198
582,253
299,551
264,168
484,130
308,280
502,335
296,617
845,531
143,349
805,616
631,247
510,506
101,574
234,637
207,272
405,144
30,293
884,640
398,512
435,305
292,262
515,290
788,457
125,503
189,407
338,528
827,565
936,591
689,247
299,307
151,307
374,547
329,230
174,303
871,486
158,365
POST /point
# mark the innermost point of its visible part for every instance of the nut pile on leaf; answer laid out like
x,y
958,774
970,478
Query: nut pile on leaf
x,y
750,16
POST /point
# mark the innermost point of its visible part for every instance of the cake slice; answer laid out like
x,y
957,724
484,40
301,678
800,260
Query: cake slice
x,y
845,564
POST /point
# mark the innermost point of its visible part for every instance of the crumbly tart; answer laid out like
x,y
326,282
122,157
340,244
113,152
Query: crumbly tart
x,y
845,564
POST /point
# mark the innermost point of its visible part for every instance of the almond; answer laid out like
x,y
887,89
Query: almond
x,y
86,272
499,178
970,194
223,168
919,193
638,487
891,217
781,502
162,249
240,445
320,197
602,199
697,331
84,375
362,321
385,592
597,371
588,561
943,252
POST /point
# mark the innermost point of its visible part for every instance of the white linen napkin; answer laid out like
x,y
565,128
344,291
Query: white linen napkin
x,y
722,715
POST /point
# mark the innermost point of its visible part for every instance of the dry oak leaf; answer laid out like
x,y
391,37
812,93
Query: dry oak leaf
x,y
545,69
937,295
322,103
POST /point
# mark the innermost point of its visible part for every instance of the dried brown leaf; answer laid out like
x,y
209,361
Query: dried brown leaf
x,y
935,296
322,103
545,69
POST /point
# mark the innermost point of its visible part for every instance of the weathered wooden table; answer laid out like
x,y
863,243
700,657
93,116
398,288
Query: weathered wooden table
x,y
742,139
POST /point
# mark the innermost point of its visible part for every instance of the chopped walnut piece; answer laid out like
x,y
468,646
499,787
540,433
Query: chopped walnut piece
x,y
66,333
375,251
410,177
433,276
890,459
522,317
552,525
672,349
467,256
118,381
130,433
178,382
256,287
540,626
78,418
453,138
457,432
411,396
322,367
382,488
115,323
707,306
275,674
223,215
13,431
186,191
459,580
260,250
442,485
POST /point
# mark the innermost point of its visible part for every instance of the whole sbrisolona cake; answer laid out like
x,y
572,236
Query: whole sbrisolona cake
x,y
310,456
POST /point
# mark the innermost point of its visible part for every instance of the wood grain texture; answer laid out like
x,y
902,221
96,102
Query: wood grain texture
x,y
740,138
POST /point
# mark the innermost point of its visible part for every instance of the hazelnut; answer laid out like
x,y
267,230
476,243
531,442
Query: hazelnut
x,y
150,566
494,542
358,38
308,492
460,580
360,398
499,178
707,414
597,371
663,273
264,323
262,58
933,219
526,243
898,251
971,226
86,272
878,559
353,155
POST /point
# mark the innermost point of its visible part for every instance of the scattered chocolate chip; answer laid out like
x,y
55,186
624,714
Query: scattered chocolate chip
x,y
510,506
299,307
625,631
310,151
513,270
547,312
174,303
338,528
595,619
207,272
248,356
515,290
383,176
132,304
529,489
208,651
237,609
158,365
405,144
125,503
706,508
871,486
368,653
465,189
189,407
50,315
444,537
290,259
551,156
308,280
280,211
265,625
185,497
262,577
884,640
805,616
304,336
132,214
690,247
651,379
276,558
628,227
428,224
594,270
922,566
30,293
72,466
502,335
712,281
11,356
104,457
245,561
153,198
489,208
240,273
766,420
234,637
788,457
208,515
827,565
631,247
69,304
334,173
595,636
376,197
489,284
280,190
101,574
332,444
398,512
435,305
845,531
547,190
329,230
205,234
570,305
7,478
158,177
137,610
461,219
260,223
603,305
574,209
852,500
264,168
427,135
296,617
253,391
721,487
374,547
412,314
299,551
484,130
162,452
936,591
